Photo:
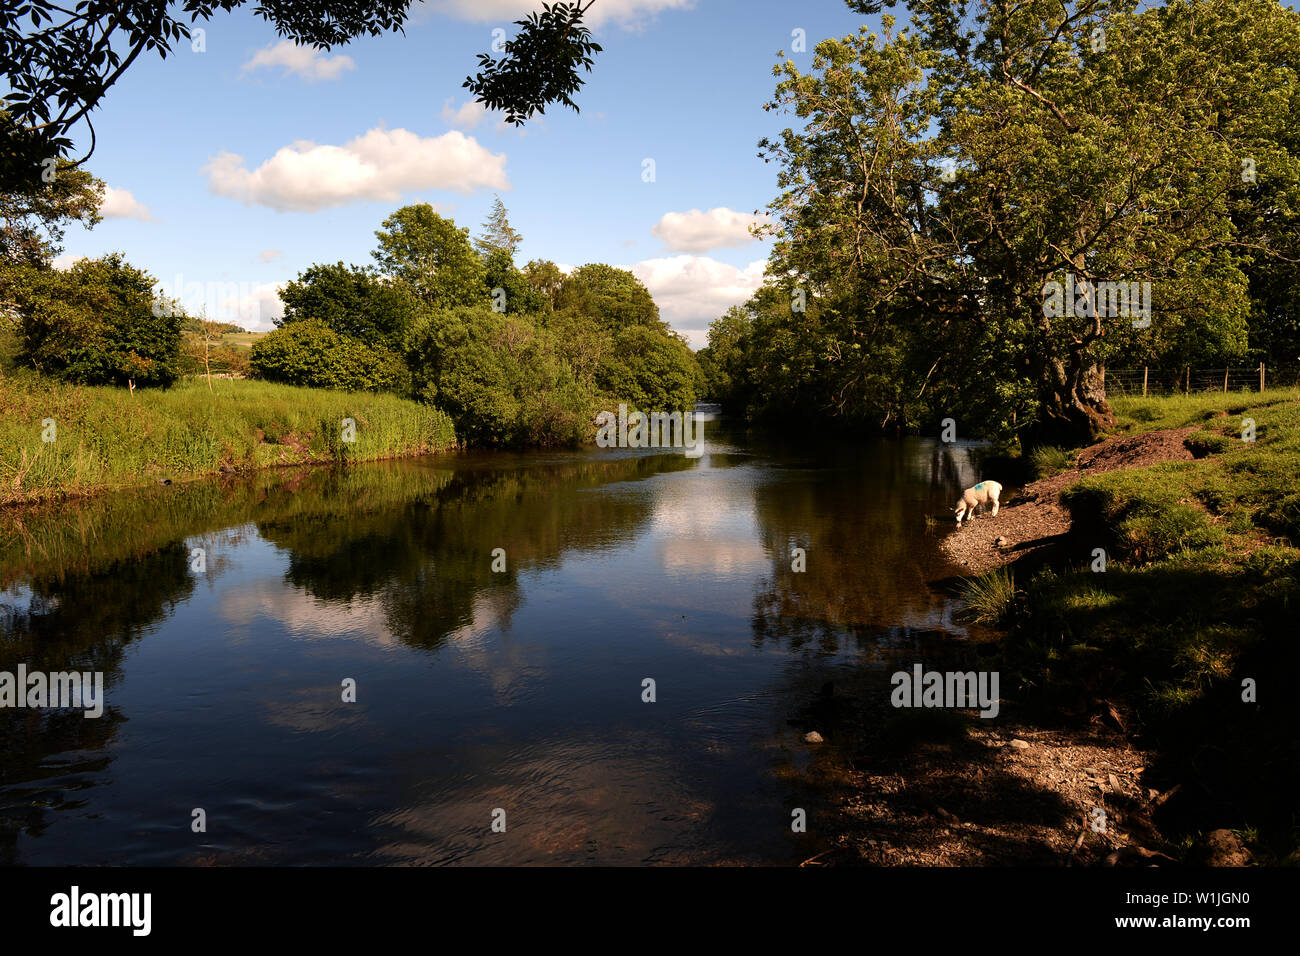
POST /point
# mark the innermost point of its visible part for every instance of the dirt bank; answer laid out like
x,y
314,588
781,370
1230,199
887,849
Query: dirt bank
x,y
1032,518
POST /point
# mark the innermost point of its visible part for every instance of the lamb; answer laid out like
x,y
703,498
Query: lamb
x,y
984,493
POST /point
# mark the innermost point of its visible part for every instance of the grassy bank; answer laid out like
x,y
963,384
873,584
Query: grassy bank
x,y
108,438
1190,630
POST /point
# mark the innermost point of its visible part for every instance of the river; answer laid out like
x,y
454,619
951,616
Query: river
x,y
230,620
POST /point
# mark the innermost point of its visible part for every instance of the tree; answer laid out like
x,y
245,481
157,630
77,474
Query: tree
x,y
649,370
516,293
502,379
946,174
544,276
497,232
432,256
614,298
353,301
34,215
59,63
540,65
206,338
96,324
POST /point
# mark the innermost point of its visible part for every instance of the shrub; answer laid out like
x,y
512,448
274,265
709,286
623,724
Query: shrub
x,y
94,324
309,352
502,379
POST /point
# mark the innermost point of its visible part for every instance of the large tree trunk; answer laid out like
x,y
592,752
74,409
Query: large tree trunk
x,y
1073,409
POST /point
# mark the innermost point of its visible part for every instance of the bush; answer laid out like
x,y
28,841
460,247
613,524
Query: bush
x,y
502,379
310,353
94,324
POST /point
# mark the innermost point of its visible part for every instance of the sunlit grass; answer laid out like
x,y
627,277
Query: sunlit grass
x,y
110,438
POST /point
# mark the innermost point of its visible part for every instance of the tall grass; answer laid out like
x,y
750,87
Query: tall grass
x,y
990,596
109,438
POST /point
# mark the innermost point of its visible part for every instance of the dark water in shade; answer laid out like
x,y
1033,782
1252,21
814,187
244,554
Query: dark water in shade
x,y
475,690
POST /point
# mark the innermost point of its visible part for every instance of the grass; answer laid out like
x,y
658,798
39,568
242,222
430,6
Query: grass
x,y
1198,596
108,438
241,340
1048,460
990,597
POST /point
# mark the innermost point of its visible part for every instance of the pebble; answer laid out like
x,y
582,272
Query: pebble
x,y
1018,744
1001,542
812,737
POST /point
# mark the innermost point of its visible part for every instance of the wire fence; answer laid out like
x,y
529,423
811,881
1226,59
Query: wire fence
x,y
1196,381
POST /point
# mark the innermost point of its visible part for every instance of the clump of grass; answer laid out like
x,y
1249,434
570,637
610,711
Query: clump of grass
x,y
989,597
107,438
1049,460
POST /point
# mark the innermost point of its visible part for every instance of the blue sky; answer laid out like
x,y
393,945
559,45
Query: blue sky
x,y
237,167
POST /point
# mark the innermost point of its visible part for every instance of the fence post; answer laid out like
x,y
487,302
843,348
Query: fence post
x,y
1187,386
1225,381
1261,376
1144,381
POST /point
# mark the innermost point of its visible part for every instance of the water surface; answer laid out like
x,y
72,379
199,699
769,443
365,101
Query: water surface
x,y
476,690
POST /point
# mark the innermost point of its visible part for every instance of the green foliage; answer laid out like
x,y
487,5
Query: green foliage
x,y
544,276
502,379
649,370
34,213
498,235
309,352
939,175
188,431
94,324
540,65
517,293
432,256
612,298
353,301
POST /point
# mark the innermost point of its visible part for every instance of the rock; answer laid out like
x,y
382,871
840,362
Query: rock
x,y
1001,541
1221,848
164,481
1018,744
812,737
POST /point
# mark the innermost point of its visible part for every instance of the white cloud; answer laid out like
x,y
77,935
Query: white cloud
x,y
696,231
378,166
65,261
627,13
255,308
466,116
270,255
305,61
120,204
471,113
692,291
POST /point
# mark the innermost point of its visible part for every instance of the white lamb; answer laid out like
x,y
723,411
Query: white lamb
x,y
986,492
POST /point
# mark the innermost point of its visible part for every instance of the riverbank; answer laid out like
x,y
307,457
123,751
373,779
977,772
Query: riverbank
x,y
1145,594
61,441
